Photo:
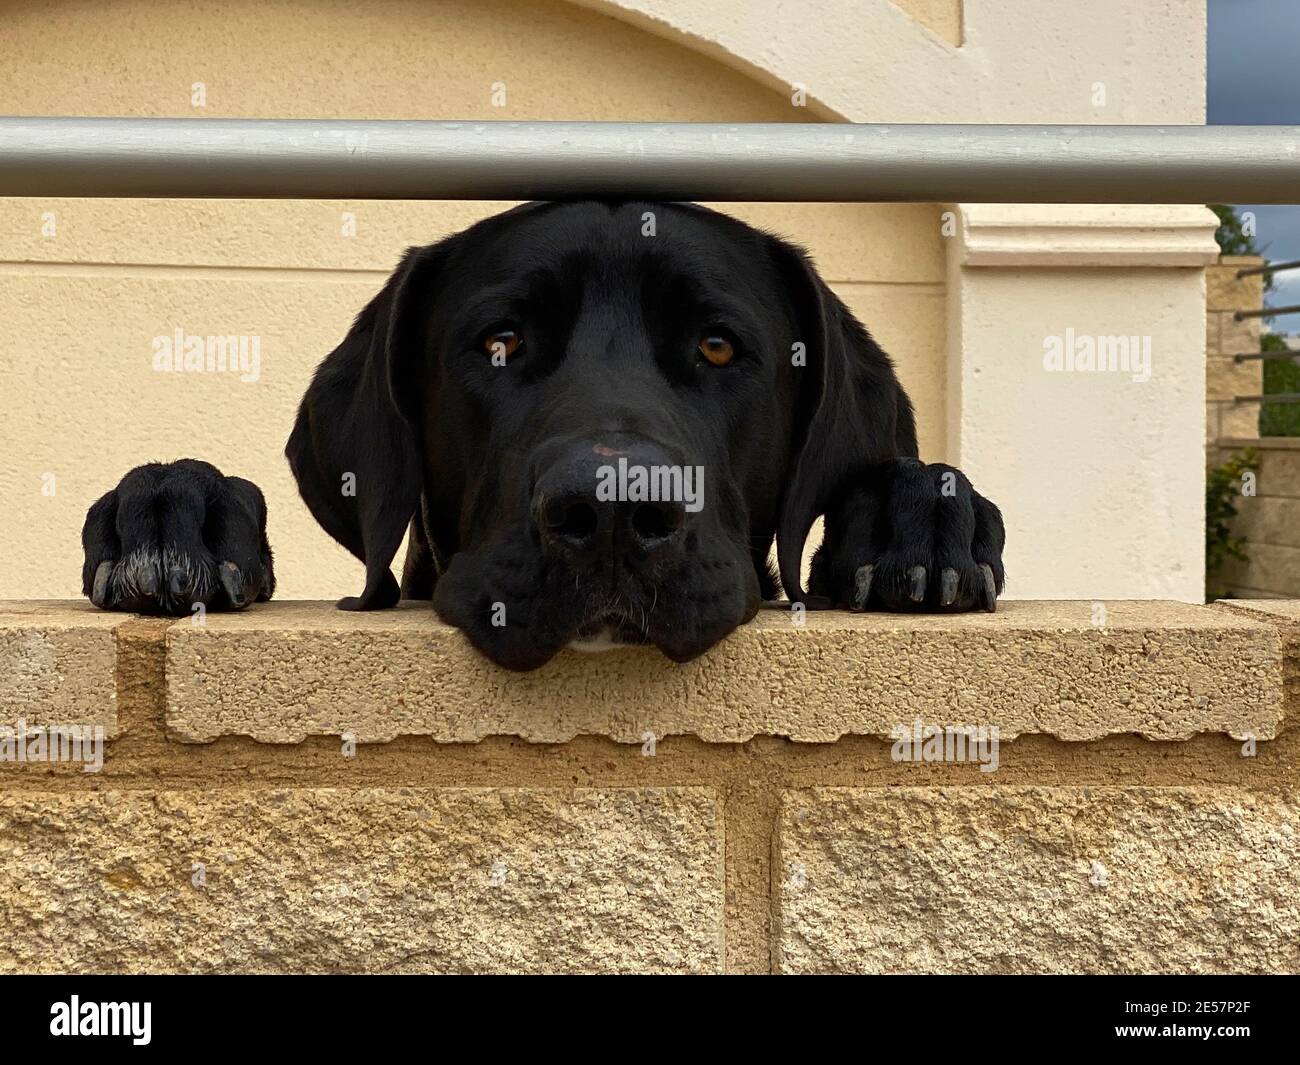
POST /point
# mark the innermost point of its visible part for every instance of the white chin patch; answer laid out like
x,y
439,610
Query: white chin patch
x,y
602,641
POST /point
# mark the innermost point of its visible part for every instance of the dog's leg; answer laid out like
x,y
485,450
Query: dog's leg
x,y
420,570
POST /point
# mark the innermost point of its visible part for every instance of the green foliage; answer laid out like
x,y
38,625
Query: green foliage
x,y
1279,419
1232,240
1222,490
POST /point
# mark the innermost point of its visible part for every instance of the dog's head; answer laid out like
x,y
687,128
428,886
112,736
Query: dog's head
x,y
602,414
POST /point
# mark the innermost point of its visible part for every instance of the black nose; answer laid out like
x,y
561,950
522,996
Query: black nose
x,y
581,523
596,507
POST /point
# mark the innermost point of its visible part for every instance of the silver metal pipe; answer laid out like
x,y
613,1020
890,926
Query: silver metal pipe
x,y
667,161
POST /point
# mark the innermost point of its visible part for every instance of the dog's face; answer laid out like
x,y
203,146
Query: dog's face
x,y
598,410
608,413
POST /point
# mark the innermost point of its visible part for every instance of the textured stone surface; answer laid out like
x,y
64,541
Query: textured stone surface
x,y
1283,611
372,880
1268,520
284,671
1285,614
1038,880
57,664
1236,337
1224,291
1226,379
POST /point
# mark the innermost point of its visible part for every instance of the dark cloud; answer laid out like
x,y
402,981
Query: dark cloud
x,y
1254,79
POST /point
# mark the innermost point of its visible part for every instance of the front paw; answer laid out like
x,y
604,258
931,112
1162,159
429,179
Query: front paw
x,y
172,536
908,536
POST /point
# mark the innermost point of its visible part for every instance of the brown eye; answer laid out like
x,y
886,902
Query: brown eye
x,y
717,349
502,344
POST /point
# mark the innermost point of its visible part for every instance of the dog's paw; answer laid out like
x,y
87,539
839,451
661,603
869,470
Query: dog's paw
x,y
171,536
911,537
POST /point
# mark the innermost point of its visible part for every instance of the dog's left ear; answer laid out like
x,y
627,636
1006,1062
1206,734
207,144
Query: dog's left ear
x,y
355,448
850,410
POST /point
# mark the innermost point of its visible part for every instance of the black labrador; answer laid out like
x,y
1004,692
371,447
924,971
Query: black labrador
x,y
590,419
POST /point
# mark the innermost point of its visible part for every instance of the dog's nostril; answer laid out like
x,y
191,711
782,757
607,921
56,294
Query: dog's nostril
x,y
573,520
656,522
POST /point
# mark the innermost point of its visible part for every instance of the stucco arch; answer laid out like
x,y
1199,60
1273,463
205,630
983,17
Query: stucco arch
x,y
949,60
782,45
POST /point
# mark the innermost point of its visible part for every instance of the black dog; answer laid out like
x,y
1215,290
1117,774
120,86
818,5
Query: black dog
x,y
593,418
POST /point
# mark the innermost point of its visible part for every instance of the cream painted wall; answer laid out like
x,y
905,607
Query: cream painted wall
x,y
1104,468
1082,453
79,309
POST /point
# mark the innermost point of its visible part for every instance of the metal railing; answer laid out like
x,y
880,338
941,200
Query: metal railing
x,y
1267,268
1266,312
313,159
1270,397
1267,356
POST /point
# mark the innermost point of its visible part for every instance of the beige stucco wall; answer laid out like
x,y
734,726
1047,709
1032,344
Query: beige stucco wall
x,y
80,306
79,310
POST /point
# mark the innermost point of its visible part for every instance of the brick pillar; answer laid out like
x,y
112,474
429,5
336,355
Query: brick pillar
x,y
1225,294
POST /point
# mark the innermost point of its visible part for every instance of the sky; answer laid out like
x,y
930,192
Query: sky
x,y
1254,79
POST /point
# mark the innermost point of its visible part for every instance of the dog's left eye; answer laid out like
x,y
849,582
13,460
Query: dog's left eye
x,y
717,349
502,343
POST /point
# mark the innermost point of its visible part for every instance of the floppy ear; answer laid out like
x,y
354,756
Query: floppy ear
x,y
355,448
850,410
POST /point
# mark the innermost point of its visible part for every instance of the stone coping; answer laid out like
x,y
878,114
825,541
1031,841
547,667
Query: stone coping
x,y
283,671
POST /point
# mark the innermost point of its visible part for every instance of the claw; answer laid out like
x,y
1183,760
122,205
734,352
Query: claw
x,y
948,589
99,589
175,581
917,576
149,581
233,582
990,592
862,587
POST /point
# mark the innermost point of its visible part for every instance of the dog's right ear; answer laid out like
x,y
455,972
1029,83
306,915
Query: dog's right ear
x,y
355,448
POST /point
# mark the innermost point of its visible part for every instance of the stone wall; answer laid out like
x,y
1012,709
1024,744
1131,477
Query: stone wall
x,y
297,789
1226,336
1268,515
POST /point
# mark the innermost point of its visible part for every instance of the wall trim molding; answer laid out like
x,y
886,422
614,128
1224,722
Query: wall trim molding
x,y
1085,235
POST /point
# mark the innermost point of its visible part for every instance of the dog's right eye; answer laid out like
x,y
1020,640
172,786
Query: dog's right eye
x,y
717,349
501,344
